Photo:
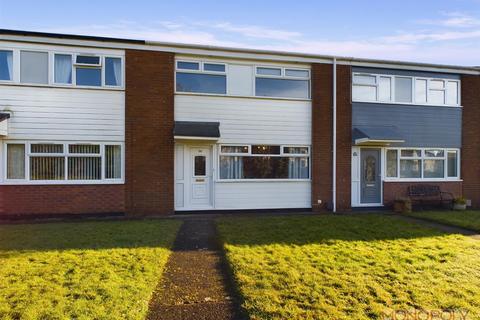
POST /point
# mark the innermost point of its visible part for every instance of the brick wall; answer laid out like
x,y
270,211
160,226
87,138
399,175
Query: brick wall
x,y
470,155
149,132
394,190
344,138
61,199
321,153
322,122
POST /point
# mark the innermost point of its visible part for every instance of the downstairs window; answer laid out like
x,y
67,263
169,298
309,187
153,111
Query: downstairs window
x,y
85,162
426,163
248,162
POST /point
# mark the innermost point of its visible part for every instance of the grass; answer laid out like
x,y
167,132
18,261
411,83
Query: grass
x,y
348,267
87,270
467,219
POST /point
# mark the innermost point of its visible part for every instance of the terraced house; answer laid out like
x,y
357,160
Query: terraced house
x,y
92,125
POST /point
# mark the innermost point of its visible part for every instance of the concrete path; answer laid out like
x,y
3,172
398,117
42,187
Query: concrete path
x,y
441,226
195,285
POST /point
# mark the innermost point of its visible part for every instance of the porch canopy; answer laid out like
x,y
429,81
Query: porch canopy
x,y
376,135
194,130
4,123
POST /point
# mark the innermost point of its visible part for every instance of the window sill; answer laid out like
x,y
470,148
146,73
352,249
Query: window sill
x,y
237,96
423,180
60,86
408,104
260,180
60,182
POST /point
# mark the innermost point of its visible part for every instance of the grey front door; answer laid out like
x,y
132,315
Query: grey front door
x,y
370,180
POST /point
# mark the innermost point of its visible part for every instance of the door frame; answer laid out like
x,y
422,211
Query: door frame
x,y
188,174
356,176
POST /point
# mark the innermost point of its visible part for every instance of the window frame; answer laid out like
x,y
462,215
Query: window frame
x,y
51,67
14,58
423,157
282,76
66,154
250,154
201,71
414,80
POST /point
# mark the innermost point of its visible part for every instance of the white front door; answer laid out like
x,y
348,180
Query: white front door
x,y
200,180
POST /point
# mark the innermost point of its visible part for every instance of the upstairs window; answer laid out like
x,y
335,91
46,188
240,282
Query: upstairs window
x,y
282,83
201,77
88,71
405,90
63,68
34,67
6,65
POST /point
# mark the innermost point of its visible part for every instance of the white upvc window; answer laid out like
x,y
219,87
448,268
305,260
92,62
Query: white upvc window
x,y
399,89
282,82
413,164
264,162
61,68
63,163
201,77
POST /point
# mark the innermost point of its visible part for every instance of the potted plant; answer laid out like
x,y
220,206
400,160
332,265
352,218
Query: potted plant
x,y
459,203
402,205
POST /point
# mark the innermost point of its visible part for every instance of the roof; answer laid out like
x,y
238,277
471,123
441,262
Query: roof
x,y
384,135
194,129
4,116
289,56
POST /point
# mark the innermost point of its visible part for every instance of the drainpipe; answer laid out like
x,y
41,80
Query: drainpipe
x,y
334,142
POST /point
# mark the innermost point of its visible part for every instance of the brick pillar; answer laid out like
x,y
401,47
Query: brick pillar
x,y
321,153
470,153
344,137
149,125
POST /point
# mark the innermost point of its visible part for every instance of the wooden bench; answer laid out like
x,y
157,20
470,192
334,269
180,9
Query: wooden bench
x,y
425,194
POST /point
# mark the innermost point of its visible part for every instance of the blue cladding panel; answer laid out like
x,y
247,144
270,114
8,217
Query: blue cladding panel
x,y
420,126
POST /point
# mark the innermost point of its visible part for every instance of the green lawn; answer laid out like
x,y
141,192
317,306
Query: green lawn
x,y
89,270
348,267
466,219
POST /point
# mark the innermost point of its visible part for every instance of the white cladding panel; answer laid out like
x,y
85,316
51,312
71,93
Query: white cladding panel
x,y
49,113
240,80
247,120
263,195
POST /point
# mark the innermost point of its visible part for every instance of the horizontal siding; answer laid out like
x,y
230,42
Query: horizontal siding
x,y
262,195
244,120
64,114
420,126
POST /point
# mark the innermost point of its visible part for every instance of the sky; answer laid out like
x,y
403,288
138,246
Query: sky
x,y
444,32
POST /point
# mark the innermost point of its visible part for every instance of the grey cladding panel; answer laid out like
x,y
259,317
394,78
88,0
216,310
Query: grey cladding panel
x,y
420,126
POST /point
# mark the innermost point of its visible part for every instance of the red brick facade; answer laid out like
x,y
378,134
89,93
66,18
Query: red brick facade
x,y
344,138
61,199
470,153
149,132
322,123
321,153
395,190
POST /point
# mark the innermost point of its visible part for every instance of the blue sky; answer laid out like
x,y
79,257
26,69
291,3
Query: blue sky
x,y
425,31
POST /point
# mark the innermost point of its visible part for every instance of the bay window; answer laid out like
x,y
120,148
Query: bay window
x,y
426,163
264,162
62,162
